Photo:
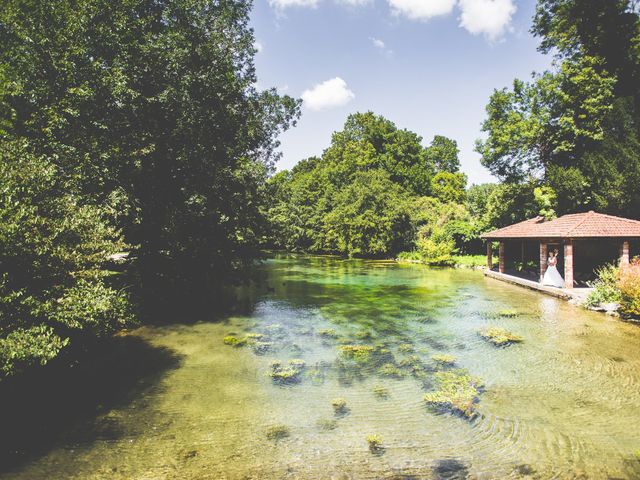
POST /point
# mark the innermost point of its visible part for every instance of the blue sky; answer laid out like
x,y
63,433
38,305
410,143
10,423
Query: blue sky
x,y
427,65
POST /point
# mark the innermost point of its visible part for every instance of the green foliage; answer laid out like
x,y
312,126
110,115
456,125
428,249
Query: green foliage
x,y
184,141
356,199
546,199
53,290
449,187
370,217
629,286
576,127
605,287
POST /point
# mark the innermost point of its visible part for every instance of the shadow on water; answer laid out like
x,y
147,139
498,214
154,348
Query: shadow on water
x,y
58,404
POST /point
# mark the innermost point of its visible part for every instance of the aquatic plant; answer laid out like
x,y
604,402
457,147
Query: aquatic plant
x,y
457,392
364,335
297,363
327,333
507,313
390,370
254,336
277,432
405,348
380,391
339,405
233,341
286,374
443,359
326,424
260,348
499,336
358,353
375,442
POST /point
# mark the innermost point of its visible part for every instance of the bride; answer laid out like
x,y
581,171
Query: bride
x,y
552,277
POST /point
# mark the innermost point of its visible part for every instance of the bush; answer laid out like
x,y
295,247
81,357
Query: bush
x,y
54,292
605,288
629,288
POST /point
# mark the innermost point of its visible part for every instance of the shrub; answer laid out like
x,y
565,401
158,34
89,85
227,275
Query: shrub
x,y
629,287
605,287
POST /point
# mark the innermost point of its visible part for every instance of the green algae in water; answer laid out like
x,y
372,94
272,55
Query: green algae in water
x,y
278,432
381,392
390,370
499,336
375,442
456,392
358,353
444,359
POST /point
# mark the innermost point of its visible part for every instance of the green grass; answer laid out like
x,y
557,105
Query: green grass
x,y
459,261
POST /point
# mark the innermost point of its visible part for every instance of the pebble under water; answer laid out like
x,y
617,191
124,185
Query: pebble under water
x,y
326,378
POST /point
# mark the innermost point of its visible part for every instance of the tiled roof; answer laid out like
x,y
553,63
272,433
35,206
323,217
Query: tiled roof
x,y
576,225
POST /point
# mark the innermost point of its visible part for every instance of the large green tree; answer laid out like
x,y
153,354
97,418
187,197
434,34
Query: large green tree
x,y
152,104
575,128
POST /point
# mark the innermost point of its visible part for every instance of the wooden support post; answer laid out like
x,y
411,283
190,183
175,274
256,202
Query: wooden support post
x,y
501,258
489,255
624,253
543,259
568,263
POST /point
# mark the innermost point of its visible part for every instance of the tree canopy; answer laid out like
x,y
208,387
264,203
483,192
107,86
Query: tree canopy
x,y
575,128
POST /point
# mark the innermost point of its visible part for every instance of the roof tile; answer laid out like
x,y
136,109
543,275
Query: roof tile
x,y
575,225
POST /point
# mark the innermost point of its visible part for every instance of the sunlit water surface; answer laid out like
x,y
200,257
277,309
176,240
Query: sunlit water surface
x,y
562,404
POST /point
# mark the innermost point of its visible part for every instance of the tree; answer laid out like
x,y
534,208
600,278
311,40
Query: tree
x,y
444,154
449,187
370,217
576,128
54,293
153,103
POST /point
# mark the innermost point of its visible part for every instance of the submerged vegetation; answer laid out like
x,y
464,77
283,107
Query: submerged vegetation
x,y
278,432
444,359
456,392
375,442
499,336
286,373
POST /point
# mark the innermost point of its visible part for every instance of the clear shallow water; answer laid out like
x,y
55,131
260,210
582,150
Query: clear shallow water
x,y
563,404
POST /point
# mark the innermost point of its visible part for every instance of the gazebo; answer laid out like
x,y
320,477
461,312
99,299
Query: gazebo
x,y
594,238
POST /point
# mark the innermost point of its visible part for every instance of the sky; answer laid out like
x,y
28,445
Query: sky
x,y
427,65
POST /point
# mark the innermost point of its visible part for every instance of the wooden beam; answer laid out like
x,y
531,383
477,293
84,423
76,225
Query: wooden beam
x,y
501,257
489,255
568,263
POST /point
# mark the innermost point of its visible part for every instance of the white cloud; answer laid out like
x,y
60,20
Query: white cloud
x,y
489,17
422,9
329,94
282,4
377,43
380,45
354,3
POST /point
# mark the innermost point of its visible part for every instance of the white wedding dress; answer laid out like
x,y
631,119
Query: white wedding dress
x,y
552,277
